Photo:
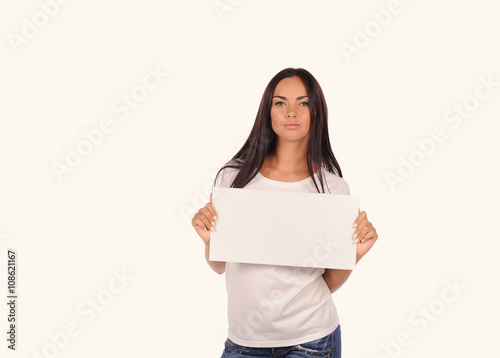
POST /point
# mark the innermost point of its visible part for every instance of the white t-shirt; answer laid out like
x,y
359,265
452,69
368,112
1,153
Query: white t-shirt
x,y
277,306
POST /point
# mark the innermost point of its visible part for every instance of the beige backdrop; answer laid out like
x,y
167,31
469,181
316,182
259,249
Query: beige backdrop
x,y
116,115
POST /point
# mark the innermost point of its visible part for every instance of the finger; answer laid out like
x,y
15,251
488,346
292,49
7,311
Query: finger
x,y
206,218
363,232
360,226
370,235
206,210
212,210
369,232
361,216
201,221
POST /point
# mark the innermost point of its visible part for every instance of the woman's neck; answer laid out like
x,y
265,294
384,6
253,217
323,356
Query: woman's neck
x,y
288,159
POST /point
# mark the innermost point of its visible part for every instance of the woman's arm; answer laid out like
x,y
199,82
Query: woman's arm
x,y
335,278
204,223
364,236
217,266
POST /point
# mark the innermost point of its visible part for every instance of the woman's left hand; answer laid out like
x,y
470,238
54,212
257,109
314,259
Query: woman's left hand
x,y
365,235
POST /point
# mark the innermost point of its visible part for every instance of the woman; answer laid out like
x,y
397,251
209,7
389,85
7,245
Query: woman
x,y
284,311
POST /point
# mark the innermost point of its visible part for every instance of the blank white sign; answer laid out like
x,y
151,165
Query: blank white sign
x,y
284,228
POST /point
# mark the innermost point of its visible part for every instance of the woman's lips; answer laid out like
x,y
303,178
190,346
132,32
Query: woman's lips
x,y
292,125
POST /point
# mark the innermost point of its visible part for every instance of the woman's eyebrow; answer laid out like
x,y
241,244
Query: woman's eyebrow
x,y
282,97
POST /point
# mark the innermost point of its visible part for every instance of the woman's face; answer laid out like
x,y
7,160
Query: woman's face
x,y
290,114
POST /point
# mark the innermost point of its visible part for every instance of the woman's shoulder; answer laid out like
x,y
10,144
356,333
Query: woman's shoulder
x,y
336,184
227,173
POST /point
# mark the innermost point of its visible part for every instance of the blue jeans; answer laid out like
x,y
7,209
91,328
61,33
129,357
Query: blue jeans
x,y
327,347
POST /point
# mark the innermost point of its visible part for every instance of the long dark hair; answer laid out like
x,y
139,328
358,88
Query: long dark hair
x,y
262,139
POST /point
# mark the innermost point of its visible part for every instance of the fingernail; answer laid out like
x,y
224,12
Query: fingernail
x,y
213,223
215,217
212,228
362,240
355,236
356,241
355,225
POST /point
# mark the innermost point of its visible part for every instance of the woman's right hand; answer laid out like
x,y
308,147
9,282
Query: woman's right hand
x,y
204,221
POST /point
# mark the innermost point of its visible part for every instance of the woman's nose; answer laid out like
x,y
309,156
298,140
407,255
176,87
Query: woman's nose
x,y
291,113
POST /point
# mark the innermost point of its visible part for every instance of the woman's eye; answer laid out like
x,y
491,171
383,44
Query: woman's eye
x,y
279,103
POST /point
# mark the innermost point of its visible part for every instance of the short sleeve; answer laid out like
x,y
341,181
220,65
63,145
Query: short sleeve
x,y
225,178
344,187
337,184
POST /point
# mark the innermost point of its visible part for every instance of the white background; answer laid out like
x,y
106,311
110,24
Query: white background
x,y
126,205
